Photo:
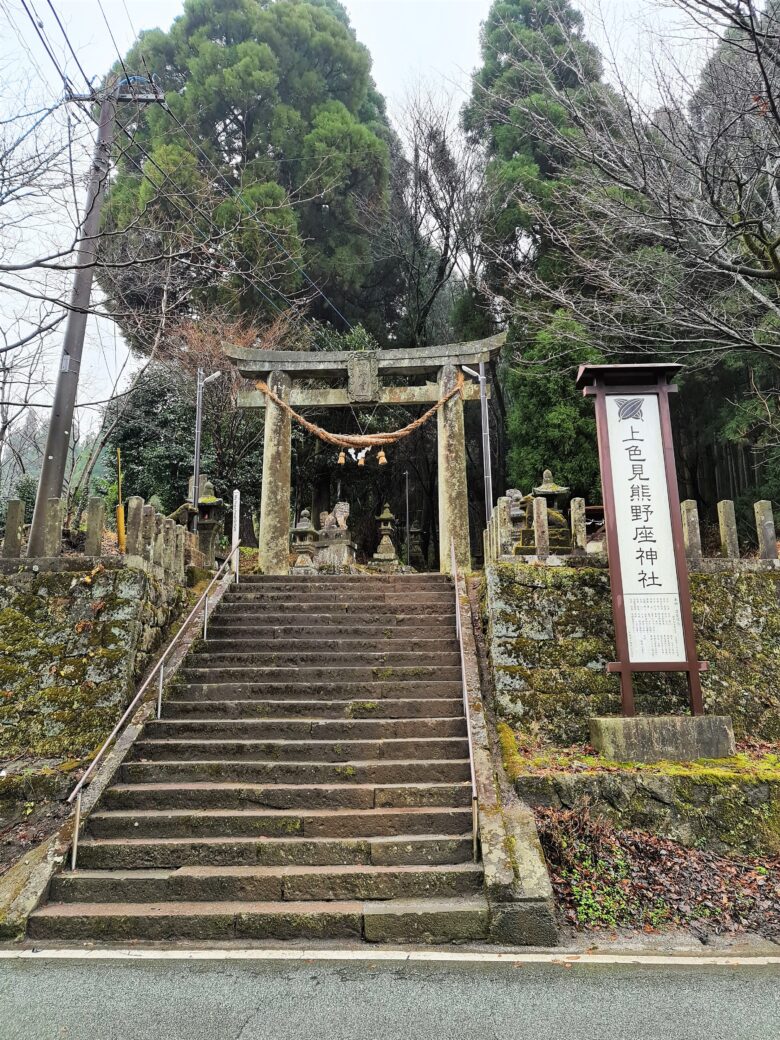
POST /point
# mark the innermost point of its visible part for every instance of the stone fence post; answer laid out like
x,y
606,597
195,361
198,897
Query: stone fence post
x,y
52,535
147,534
691,531
541,528
14,523
158,545
504,521
727,522
96,522
765,529
579,530
134,541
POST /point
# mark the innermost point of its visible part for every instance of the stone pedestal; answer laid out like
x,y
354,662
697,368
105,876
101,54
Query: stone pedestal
x,y
275,496
681,738
453,497
334,548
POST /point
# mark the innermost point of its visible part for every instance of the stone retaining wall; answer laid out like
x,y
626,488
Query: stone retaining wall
x,y
550,636
723,813
72,644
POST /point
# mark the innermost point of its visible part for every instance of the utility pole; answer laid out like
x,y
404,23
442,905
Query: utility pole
x,y
55,456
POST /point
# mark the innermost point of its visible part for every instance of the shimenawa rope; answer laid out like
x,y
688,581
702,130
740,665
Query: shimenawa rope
x,y
360,440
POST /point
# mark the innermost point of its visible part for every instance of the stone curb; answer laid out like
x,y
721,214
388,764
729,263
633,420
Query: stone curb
x,y
517,885
26,884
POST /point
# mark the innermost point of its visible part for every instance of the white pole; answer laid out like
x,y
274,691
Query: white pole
x,y
236,527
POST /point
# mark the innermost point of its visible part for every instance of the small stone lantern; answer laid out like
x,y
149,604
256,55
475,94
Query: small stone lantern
x,y
556,496
385,558
211,520
304,537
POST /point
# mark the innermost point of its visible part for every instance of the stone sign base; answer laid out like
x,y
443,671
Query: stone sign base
x,y
681,738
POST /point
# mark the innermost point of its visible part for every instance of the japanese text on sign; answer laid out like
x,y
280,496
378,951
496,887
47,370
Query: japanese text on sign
x,y
644,528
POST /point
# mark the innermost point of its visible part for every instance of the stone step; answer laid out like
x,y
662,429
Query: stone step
x,y
320,673
291,657
419,771
302,728
409,748
279,823
370,691
401,708
369,614
141,853
336,601
218,795
432,580
423,920
300,643
264,884
326,626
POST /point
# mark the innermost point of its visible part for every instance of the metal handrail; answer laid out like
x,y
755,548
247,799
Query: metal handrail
x,y
466,712
159,671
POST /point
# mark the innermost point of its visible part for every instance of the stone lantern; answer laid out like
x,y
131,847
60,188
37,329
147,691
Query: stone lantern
x,y
304,538
385,558
556,497
211,519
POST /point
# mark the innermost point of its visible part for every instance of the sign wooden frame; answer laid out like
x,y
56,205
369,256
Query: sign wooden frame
x,y
600,382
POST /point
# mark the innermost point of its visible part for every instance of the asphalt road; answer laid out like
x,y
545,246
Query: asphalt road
x,y
237,1000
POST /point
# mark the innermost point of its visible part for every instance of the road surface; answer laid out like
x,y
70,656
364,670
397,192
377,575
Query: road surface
x,y
379,1000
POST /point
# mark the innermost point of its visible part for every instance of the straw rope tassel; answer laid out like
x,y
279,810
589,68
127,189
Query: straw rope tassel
x,y
361,440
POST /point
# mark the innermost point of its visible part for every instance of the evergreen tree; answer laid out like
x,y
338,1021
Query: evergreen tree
x,y
278,96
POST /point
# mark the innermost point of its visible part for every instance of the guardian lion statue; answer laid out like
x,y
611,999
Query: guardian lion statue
x,y
337,519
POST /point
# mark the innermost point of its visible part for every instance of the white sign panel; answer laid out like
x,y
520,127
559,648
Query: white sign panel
x,y
644,528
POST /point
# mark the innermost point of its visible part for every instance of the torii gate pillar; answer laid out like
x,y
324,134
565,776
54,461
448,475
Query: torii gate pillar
x,y
453,496
274,534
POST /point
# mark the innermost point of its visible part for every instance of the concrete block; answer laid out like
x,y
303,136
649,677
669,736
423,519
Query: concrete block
x,y
681,738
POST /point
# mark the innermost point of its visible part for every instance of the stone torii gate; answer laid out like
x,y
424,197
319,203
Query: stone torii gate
x,y
286,371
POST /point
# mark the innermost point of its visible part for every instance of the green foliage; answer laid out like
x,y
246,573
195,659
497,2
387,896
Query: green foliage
x,y
550,425
279,96
26,490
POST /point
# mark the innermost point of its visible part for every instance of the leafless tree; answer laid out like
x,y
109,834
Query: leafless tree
x,y
437,206
666,213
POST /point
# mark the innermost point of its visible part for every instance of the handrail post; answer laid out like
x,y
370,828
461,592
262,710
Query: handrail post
x,y
466,712
160,681
75,847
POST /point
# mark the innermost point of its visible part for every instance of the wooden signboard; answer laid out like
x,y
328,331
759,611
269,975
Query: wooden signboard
x,y
647,566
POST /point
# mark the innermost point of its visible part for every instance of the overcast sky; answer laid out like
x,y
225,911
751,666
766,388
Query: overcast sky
x,y
411,41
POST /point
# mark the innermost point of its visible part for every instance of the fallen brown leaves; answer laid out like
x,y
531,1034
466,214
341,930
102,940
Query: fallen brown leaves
x,y
603,877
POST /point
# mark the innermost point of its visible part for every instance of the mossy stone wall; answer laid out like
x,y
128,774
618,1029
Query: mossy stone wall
x,y
550,635
71,647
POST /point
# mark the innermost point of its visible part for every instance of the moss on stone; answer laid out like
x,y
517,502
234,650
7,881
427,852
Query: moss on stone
x,y
550,635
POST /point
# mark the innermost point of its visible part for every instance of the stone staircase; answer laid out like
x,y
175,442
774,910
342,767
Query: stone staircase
x,y
309,779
